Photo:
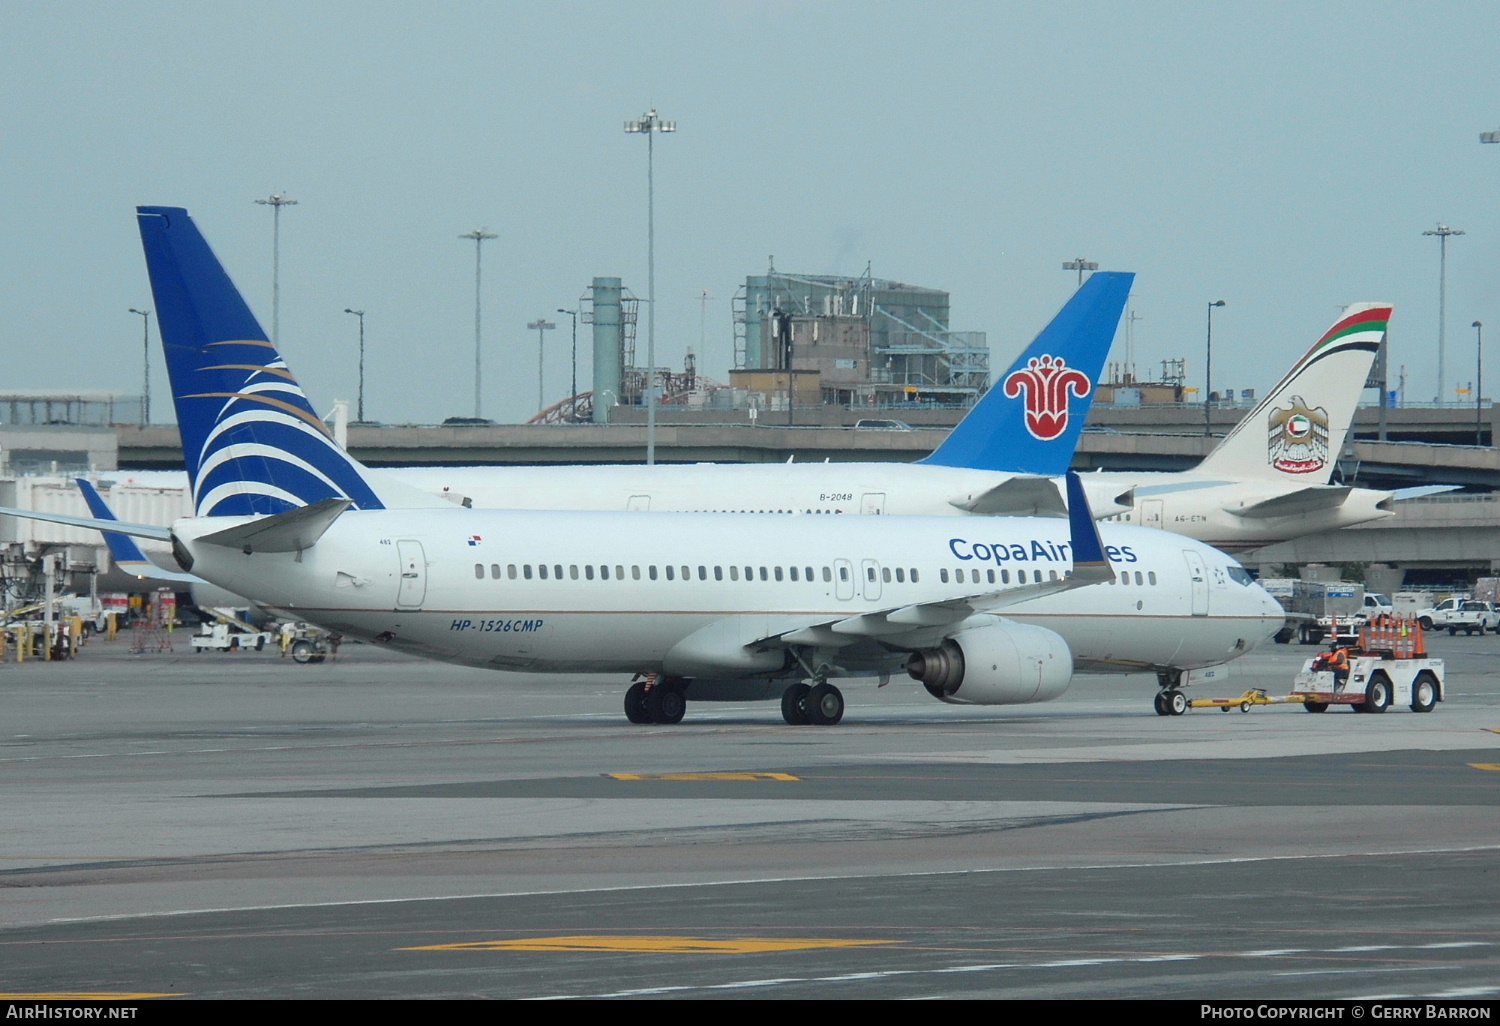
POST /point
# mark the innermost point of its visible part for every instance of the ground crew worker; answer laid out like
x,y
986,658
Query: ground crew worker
x,y
1338,662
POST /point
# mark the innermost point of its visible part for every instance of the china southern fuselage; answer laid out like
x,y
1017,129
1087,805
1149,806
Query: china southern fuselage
x,y
715,596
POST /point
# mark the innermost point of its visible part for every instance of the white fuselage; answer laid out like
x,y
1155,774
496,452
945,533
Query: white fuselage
x,y
897,489
1201,507
690,594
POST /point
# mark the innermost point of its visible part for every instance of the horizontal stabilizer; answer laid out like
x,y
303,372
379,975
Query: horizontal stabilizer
x,y
292,531
1422,491
138,530
1312,499
1020,496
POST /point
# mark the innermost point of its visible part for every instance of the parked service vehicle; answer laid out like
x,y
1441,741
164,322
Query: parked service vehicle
x,y
1317,608
1472,616
227,637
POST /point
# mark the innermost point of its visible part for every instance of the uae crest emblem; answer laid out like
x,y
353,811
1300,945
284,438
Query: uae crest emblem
x,y
1297,441
1047,382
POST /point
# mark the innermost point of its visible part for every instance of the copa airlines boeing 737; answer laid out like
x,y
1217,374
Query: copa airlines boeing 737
x,y
995,611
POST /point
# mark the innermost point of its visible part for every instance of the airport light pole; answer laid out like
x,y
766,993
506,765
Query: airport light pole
x,y
1080,265
573,314
541,327
145,364
276,201
649,124
479,235
1442,232
1478,379
1208,370
360,417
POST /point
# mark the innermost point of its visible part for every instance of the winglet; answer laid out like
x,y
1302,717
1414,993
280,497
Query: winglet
x,y
1089,560
1030,419
122,548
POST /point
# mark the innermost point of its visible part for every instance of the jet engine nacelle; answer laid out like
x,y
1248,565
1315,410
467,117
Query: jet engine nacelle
x,y
1002,663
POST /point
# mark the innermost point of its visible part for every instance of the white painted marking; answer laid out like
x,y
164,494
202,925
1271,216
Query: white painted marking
x,y
783,880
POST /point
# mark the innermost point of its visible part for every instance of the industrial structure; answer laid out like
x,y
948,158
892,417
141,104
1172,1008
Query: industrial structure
x,y
807,339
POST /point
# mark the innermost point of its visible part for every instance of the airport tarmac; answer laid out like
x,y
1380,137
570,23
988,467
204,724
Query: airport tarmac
x,y
237,825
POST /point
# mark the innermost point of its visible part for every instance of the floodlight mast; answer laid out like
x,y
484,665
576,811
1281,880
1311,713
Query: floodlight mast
x,y
360,419
479,235
276,201
649,124
1080,265
1208,370
145,365
541,326
1442,232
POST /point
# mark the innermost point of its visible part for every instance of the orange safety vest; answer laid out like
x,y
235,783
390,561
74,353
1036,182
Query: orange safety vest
x,y
1339,660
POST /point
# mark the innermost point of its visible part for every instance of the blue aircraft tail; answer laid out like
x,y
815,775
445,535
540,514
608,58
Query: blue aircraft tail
x,y
1030,419
251,440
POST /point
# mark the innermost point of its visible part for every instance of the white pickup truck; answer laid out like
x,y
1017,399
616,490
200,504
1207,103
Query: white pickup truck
x,y
1459,614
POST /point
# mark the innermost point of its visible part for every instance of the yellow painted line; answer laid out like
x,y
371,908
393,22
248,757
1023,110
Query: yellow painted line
x,y
702,776
1493,730
84,995
1486,766
656,945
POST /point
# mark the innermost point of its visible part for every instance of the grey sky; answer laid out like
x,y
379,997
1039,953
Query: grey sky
x,y
1284,157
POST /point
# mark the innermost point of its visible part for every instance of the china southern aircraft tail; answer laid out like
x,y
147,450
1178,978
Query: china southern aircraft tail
x,y
1296,432
251,441
1030,419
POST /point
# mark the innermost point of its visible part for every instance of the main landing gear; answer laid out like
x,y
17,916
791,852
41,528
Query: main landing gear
x,y
820,704
656,699
1170,700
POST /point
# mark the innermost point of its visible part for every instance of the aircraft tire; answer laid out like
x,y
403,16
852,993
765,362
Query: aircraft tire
x,y
792,709
302,651
1424,691
825,705
1159,703
1176,702
666,704
635,703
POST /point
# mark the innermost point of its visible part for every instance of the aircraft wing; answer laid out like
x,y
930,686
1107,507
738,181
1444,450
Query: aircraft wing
x,y
138,530
1090,566
1304,500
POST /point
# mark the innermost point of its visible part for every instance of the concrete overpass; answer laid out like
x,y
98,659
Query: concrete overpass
x,y
1144,438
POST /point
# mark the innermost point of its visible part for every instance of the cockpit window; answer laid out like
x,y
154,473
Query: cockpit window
x,y
1240,574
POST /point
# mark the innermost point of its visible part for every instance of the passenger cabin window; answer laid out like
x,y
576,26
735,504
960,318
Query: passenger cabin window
x,y
526,571
541,571
510,571
943,575
479,571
